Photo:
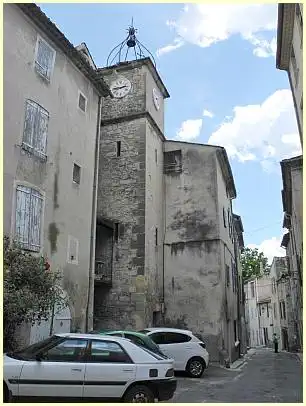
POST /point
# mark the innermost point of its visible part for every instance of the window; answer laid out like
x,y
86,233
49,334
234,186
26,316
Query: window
x,y
70,350
301,105
267,310
156,237
82,102
107,351
116,232
169,338
44,59
173,161
253,289
73,250
294,66
118,148
28,218
35,128
76,176
224,217
280,310
283,305
156,155
227,275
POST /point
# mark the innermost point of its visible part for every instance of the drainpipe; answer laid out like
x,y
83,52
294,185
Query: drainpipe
x,y
91,274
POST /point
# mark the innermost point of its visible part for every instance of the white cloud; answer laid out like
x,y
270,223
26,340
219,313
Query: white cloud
x,y
207,113
265,132
177,43
189,130
271,248
263,48
205,25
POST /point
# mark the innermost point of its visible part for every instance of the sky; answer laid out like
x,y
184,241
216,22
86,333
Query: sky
x,y
218,64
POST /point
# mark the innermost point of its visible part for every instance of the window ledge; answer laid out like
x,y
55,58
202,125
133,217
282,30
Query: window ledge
x,y
42,76
32,151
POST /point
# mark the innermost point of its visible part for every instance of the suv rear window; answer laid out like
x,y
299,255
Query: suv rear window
x,y
169,338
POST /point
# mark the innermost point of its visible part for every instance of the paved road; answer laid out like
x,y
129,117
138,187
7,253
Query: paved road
x,y
265,377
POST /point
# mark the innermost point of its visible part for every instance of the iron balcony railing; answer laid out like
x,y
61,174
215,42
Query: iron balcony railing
x,y
103,272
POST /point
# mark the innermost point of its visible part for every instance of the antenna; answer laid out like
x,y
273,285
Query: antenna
x,y
129,43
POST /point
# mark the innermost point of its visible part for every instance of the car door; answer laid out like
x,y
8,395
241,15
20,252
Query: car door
x,y
59,372
109,370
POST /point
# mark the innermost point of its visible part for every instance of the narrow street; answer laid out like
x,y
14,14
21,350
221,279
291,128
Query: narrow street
x,y
265,377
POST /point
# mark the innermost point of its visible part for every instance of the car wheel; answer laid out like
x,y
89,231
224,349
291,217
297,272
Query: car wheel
x,y
139,394
195,367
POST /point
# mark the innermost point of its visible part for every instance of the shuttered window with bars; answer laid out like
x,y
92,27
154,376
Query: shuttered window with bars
x,y
35,129
44,60
28,218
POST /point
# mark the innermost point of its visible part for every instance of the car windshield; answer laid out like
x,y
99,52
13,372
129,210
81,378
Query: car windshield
x,y
144,331
30,351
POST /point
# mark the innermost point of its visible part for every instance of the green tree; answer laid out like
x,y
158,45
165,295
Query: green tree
x,y
253,263
30,291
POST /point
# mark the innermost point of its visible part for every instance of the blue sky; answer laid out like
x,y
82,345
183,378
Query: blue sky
x,y
218,58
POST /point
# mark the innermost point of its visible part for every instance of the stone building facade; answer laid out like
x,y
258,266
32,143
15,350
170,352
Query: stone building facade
x,y
283,320
131,200
289,56
51,109
292,194
142,228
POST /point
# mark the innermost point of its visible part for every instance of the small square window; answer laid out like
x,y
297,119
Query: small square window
x,y
82,102
76,174
118,148
116,231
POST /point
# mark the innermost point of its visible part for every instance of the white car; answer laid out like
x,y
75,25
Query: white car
x,y
87,367
189,352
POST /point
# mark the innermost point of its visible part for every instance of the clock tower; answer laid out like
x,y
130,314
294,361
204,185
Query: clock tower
x,y
130,207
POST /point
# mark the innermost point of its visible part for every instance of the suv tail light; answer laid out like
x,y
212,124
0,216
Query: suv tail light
x,y
170,373
203,345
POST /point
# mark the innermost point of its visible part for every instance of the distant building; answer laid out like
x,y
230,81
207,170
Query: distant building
x,y
292,196
289,56
258,307
281,303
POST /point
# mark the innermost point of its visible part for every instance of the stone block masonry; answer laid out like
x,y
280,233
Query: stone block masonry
x,y
121,199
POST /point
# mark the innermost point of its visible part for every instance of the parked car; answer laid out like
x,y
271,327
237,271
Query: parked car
x,y
138,338
188,351
87,367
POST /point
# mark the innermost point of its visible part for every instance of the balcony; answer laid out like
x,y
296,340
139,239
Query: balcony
x,y
103,272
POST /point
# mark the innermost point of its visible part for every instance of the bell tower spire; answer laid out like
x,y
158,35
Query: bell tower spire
x,y
120,53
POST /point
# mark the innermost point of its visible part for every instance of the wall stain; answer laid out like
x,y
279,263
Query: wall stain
x,y
55,192
192,224
53,234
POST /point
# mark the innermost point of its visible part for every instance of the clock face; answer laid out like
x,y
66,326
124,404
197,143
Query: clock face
x,y
120,87
156,99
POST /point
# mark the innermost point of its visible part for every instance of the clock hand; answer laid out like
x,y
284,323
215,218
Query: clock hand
x,y
121,87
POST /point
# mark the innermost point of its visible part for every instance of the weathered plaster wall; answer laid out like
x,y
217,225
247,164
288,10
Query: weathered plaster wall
x,y
193,270
71,139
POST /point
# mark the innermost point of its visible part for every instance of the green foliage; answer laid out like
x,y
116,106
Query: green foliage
x,y
30,291
251,260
